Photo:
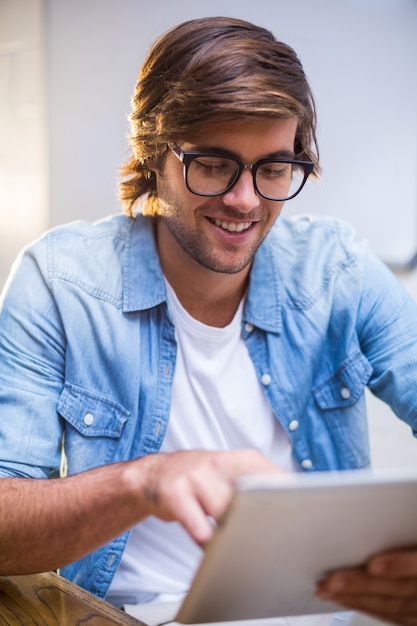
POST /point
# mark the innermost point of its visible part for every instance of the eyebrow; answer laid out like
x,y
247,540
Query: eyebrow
x,y
278,154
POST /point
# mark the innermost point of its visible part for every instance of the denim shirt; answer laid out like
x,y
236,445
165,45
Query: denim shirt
x,y
87,350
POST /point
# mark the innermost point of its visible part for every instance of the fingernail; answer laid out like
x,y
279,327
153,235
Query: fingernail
x,y
331,586
377,567
325,594
336,583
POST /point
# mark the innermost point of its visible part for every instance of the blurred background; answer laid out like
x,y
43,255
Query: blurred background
x,y
67,73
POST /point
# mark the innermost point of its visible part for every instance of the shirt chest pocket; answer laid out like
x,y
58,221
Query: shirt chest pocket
x,y
93,427
346,385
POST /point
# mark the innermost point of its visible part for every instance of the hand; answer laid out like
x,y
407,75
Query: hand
x,y
386,587
191,486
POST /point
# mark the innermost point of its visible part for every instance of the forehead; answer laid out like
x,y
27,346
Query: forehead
x,y
251,138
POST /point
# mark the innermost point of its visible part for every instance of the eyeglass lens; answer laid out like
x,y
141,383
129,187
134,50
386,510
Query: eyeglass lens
x,y
214,175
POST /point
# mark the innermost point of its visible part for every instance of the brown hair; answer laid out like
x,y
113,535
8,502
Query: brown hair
x,y
203,69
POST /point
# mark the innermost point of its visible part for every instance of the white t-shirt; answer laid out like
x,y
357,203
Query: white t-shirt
x,y
218,403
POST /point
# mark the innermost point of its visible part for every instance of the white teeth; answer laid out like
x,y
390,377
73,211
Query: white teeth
x,y
233,227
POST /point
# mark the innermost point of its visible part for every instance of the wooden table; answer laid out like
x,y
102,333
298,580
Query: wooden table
x,y
48,599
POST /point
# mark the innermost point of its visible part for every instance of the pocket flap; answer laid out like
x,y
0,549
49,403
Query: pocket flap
x,y
93,415
346,384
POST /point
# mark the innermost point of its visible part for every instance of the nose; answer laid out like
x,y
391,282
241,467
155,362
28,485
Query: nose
x,y
243,195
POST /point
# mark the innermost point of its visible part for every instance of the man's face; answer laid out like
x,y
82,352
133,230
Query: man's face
x,y
221,233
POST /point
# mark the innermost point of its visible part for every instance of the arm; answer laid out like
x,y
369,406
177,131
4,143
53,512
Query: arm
x,y
387,328
45,524
386,586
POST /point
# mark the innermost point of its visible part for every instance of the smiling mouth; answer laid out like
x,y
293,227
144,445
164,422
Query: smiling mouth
x,y
232,227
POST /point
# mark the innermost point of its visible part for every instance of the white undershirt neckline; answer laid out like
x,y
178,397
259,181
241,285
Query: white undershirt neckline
x,y
215,381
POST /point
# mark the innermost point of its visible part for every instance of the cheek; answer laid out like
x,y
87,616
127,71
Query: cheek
x,y
169,182
174,197
275,209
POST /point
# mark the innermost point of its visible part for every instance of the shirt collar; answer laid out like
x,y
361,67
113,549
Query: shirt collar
x,y
264,304
144,286
143,282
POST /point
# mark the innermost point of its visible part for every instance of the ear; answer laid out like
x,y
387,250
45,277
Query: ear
x,y
153,166
156,165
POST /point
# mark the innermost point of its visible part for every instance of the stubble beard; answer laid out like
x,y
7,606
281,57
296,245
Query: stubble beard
x,y
199,249
198,246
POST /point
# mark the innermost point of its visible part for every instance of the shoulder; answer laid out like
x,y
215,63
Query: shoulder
x,y
310,255
105,232
84,243
322,240
90,256
310,230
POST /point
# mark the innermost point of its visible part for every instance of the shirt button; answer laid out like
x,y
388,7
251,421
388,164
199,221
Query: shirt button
x,y
293,425
248,327
345,393
88,419
266,379
306,464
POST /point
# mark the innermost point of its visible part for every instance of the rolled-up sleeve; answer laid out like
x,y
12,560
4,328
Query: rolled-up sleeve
x,y
387,322
32,363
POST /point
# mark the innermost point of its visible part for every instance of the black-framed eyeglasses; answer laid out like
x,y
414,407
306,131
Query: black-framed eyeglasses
x,y
208,174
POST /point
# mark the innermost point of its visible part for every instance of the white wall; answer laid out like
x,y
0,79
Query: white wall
x,y
23,168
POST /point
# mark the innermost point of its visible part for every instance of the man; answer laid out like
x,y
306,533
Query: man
x,y
158,356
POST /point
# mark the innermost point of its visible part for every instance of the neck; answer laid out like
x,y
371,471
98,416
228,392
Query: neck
x,y
210,297
214,305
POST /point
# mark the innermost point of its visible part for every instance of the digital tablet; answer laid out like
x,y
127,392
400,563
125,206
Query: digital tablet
x,y
281,535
